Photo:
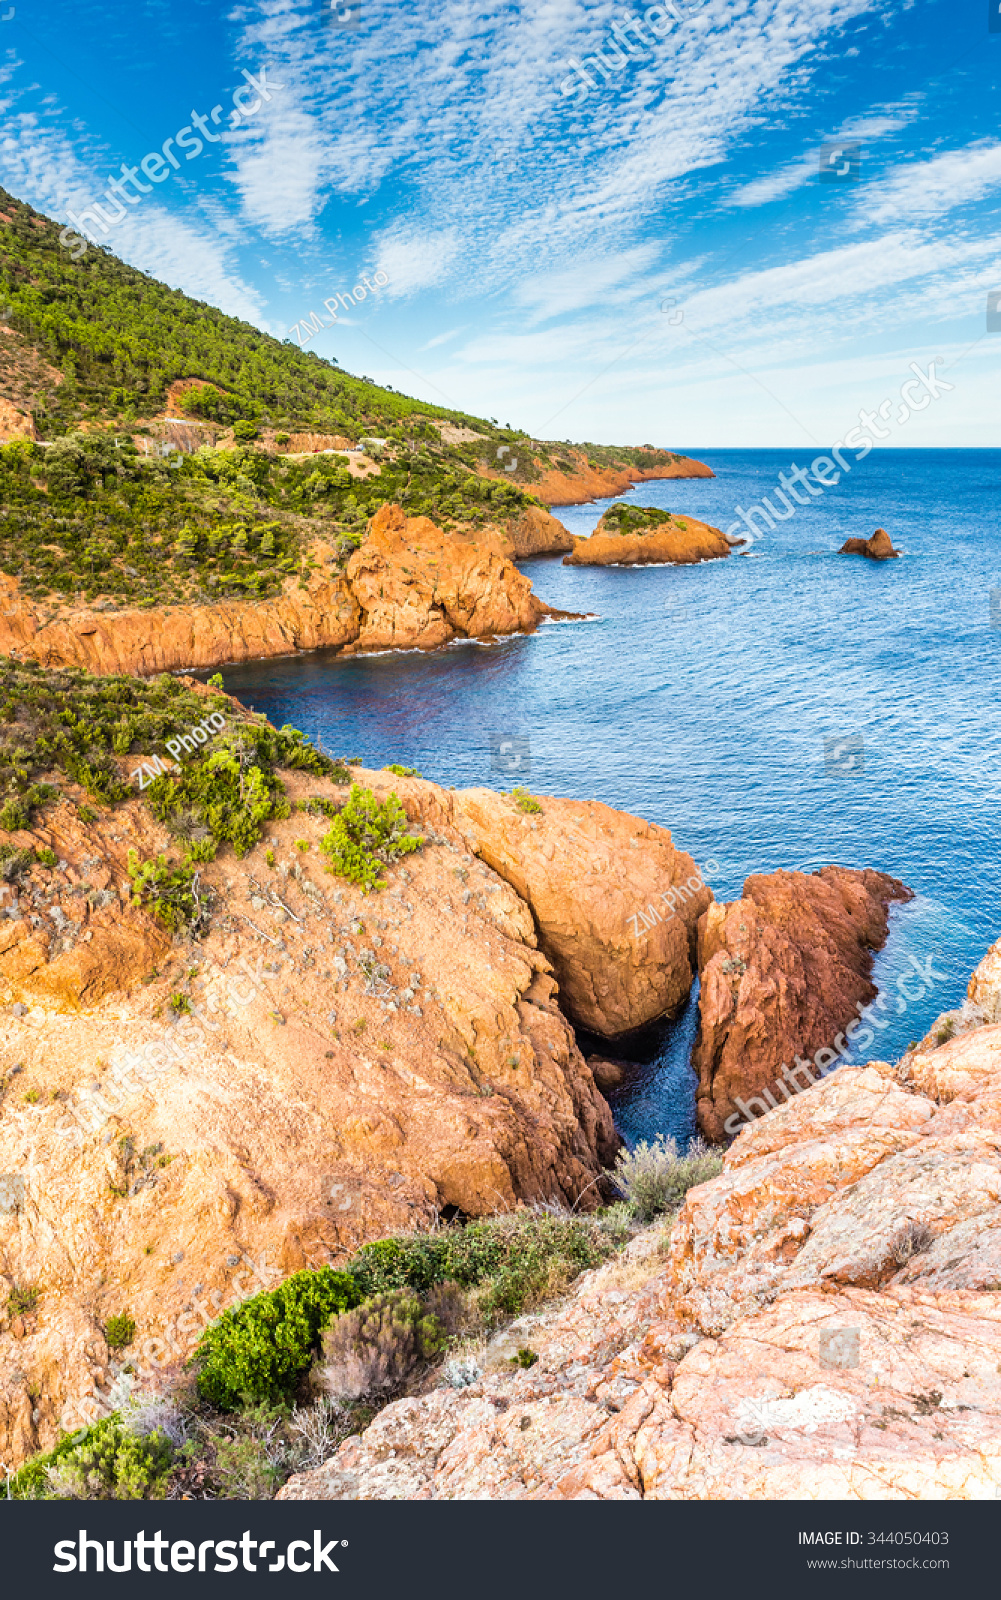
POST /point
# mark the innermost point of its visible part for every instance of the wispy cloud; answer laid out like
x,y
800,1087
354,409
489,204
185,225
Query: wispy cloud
x,y
933,188
785,180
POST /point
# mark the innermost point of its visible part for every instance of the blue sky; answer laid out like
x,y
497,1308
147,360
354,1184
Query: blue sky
x,y
653,260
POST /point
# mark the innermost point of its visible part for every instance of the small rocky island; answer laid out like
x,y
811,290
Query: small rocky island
x,y
878,548
629,536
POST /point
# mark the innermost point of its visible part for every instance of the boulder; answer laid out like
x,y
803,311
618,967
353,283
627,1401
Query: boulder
x,y
632,535
783,972
614,901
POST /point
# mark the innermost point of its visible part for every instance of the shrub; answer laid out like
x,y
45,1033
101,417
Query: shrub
x,y
14,863
13,815
170,893
119,1331
23,1300
111,1462
910,1240
253,1455
653,1178
365,834
215,682
261,1349
374,1350
402,772
513,1262
524,801
233,792
46,857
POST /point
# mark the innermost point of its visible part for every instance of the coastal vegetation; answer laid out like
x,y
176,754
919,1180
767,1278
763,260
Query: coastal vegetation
x,y
253,1410
623,518
92,511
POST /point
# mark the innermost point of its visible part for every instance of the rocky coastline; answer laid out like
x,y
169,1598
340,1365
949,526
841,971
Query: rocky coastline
x,y
591,481
409,586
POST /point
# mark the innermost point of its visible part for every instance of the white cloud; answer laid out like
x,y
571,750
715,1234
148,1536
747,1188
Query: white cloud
x,y
415,259
785,180
932,188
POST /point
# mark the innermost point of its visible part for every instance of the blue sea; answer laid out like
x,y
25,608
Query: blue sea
x,y
785,707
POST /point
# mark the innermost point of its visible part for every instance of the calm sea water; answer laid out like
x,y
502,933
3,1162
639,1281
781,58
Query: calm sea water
x,y
702,697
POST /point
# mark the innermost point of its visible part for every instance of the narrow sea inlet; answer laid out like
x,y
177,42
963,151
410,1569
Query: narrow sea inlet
x,y
702,698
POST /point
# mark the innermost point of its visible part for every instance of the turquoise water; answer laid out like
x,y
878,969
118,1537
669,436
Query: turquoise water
x,y
702,696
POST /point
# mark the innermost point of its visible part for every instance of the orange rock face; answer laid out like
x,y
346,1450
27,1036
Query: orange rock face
x,y
409,586
418,587
681,546
535,533
784,972
878,548
827,1326
589,873
341,1065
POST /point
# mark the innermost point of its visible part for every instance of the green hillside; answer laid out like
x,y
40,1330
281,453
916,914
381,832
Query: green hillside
x,y
88,352
120,339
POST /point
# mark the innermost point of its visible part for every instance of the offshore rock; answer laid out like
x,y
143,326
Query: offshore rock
x,y
878,548
679,541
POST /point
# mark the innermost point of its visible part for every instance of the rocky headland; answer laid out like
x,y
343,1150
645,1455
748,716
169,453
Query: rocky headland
x,y
409,586
821,1322
784,973
632,535
583,479
878,548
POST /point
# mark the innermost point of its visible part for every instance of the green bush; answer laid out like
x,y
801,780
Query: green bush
x,y
106,1461
23,1299
512,1261
111,1463
170,893
233,792
119,1331
13,815
260,1350
46,857
402,772
653,1178
524,801
623,518
364,835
